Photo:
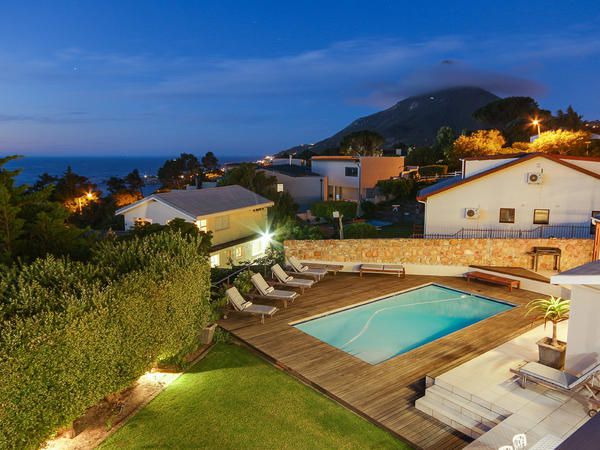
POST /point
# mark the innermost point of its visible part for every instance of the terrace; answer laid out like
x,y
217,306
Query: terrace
x,y
384,393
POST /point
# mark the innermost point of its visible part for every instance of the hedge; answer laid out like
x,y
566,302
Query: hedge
x,y
359,231
72,333
433,170
326,209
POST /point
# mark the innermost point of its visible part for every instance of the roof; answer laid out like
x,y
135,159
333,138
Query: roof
x,y
559,159
518,155
335,158
206,202
292,171
586,274
445,183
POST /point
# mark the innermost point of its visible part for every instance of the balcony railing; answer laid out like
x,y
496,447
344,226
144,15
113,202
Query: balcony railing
x,y
569,231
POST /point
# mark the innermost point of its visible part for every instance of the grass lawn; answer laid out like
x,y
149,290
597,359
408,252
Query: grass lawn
x,y
232,399
396,231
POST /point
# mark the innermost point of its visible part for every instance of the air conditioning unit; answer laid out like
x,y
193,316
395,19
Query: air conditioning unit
x,y
471,213
534,178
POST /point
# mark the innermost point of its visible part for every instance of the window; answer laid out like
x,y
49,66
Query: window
x,y
279,187
541,216
507,215
595,215
221,223
239,252
215,260
201,224
351,171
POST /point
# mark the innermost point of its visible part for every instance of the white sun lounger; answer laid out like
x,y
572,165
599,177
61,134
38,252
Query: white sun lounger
x,y
266,291
316,272
241,305
290,281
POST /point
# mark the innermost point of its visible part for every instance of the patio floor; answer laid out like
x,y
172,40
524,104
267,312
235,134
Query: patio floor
x,y
384,393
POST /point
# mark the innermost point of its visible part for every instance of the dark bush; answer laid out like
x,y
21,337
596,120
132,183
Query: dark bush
x,y
326,209
368,209
359,231
433,170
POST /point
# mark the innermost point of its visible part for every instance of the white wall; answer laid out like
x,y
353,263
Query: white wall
x,y
473,167
569,195
152,209
583,339
592,166
335,172
305,190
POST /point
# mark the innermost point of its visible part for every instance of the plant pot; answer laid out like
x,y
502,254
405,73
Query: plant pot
x,y
550,355
207,334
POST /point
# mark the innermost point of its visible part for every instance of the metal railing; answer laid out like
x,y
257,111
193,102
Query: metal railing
x,y
569,231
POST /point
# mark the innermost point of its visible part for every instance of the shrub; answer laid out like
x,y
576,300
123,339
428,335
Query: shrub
x,y
72,333
359,231
368,209
397,188
243,282
326,209
433,170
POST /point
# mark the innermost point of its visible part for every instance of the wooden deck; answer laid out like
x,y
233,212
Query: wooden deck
x,y
384,393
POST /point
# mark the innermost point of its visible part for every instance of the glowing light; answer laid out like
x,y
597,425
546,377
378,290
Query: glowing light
x,y
89,196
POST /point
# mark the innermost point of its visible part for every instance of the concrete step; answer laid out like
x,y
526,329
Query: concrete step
x,y
462,405
451,417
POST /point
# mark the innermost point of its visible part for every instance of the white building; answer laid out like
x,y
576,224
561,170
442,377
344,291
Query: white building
x,y
236,217
305,186
354,178
549,195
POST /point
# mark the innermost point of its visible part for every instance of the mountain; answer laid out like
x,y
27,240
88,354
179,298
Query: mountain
x,y
416,120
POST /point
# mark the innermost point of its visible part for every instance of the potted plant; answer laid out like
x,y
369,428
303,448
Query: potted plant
x,y
555,310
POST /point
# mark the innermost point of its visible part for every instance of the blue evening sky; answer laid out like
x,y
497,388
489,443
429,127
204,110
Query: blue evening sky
x,y
153,78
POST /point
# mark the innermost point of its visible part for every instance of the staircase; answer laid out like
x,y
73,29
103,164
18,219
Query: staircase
x,y
460,410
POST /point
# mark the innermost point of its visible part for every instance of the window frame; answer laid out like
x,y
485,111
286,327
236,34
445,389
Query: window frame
x,y
536,222
514,213
222,226
215,260
202,225
354,171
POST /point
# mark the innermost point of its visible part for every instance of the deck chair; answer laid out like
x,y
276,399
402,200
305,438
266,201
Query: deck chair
x,y
241,305
316,272
288,280
266,291
562,381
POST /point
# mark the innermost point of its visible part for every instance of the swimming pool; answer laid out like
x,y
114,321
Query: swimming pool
x,y
381,329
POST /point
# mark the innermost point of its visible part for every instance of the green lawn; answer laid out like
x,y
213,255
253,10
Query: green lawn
x,y
232,399
396,231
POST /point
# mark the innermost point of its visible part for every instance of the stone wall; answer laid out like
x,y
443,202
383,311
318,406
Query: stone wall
x,y
447,252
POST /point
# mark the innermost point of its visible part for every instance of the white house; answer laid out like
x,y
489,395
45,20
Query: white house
x,y
236,217
305,186
524,195
354,178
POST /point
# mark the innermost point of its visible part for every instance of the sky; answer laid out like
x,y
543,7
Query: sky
x,y
92,78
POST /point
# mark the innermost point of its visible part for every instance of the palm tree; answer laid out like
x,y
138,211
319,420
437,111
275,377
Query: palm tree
x,y
551,309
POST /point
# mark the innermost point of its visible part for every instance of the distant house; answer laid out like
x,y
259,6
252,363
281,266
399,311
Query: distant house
x,y
236,217
549,195
354,178
305,186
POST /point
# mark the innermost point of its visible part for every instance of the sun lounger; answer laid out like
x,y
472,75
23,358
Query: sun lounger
x,y
288,280
396,269
302,269
562,381
241,305
269,292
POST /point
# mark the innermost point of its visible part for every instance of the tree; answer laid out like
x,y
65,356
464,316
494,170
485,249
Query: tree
x,y
32,224
512,116
134,181
562,142
480,143
74,191
362,143
398,189
443,142
569,120
210,161
179,172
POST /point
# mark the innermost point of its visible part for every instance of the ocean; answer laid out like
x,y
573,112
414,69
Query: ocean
x,y
97,169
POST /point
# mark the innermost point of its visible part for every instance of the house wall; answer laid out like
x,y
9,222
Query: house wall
x,y
241,224
473,167
154,210
439,253
335,171
304,190
374,168
584,333
569,195
247,251
592,166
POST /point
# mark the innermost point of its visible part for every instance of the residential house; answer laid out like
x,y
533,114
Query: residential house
x,y
354,178
305,187
236,217
522,195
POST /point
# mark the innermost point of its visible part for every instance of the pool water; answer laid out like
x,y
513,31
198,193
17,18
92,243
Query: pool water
x,y
382,329
379,223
